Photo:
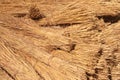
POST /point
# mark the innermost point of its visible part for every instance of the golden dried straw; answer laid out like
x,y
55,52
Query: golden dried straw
x,y
81,12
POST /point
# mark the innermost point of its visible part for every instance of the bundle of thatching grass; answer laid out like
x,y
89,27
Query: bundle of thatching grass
x,y
23,55
81,12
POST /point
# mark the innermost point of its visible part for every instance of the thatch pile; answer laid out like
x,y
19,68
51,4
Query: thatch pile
x,y
87,50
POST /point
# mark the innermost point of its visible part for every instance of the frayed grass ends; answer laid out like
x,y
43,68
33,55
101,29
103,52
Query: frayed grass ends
x,y
34,13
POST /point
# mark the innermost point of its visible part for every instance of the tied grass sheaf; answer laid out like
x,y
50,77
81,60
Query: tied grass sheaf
x,y
78,12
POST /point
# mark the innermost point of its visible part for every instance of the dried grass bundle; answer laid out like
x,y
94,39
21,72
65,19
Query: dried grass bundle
x,y
81,12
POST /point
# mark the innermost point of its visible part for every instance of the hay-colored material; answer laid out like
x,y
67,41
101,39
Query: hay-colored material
x,y
34,13
81,12
87,50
